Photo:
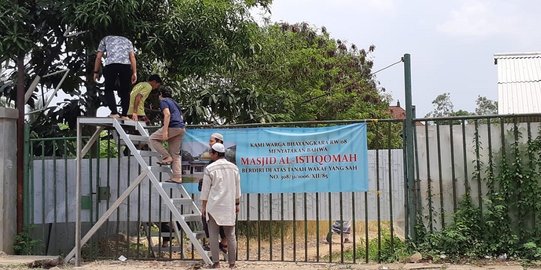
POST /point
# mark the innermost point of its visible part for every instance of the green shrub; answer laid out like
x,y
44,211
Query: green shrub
x,y
25,244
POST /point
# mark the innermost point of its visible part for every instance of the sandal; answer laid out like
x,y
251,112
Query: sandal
x,y
179,181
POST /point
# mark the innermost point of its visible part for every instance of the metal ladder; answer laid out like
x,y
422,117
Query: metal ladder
x,y
175,205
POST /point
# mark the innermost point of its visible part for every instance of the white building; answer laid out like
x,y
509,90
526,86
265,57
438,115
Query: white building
x,y
519,82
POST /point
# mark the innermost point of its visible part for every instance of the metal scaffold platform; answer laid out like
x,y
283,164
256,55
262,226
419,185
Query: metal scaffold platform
x,y
183,208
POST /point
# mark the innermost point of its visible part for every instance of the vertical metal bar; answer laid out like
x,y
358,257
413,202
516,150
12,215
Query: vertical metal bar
x,y
389,165
78,197
108,178
478,166
150,220
530,159
139,202
429,182
490,160
515,152
503,150
409,127
55,199
270,226
128,176
330,226
354,232
248,231
305,228
466,181
172,229
417,183
27,169
440,175
258,226
65,156
118,177
29,208
294,227
97,202
366,239
452,145
90,175
44,192
407,207
282,225
378,198
341,228
317,225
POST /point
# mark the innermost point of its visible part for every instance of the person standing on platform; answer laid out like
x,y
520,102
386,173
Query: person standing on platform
x,y
138,96
220,202
120,65
172,131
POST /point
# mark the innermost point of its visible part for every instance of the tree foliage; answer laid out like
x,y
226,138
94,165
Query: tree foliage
x,y
177,37
222,65
443,107
296,73
486,106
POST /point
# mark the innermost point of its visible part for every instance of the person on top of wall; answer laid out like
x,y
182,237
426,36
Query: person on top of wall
x,y
138,96
120,65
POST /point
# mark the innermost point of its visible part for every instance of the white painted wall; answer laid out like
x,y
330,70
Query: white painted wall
x,y
8,178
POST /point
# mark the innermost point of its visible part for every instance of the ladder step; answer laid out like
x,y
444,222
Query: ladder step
x,y
192,217
199,234
138,138
161,169
145,153
131,123
170,185
182,201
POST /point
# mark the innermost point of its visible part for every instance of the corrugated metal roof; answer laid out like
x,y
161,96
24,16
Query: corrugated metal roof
x,y
519,82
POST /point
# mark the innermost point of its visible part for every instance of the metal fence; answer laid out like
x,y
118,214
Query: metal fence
x,y
459,157
283,227
453,157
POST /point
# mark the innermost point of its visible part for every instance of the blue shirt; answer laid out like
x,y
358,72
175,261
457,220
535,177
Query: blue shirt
x,y
177,121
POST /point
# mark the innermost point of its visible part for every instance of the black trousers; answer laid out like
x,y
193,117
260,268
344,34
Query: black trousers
x,y
122,73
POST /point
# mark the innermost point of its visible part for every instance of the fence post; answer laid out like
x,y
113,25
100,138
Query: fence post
x,y
409,162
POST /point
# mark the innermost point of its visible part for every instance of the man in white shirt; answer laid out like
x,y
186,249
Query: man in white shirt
x,y
220,198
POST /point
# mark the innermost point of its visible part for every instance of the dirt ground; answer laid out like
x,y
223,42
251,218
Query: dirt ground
x,y
131,264
284,265
40,262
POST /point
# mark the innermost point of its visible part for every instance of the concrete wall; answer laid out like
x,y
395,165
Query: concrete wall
x,y
8,178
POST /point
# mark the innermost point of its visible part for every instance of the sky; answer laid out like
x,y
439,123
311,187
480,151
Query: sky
x,y
451,43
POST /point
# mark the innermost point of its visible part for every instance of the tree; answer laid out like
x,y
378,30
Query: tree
x,y
296,73
64,34
486,106
443,106
225,68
